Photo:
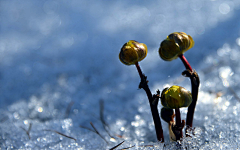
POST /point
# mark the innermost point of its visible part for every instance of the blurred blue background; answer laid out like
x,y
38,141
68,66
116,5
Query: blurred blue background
x,y
54,52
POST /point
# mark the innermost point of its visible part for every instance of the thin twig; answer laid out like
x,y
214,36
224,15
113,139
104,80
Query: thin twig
x,y
153,104
128,147
116,145
234,93
137,146
68,109
87,128
61,134
145,146
96,131
105,125
120,136
28,131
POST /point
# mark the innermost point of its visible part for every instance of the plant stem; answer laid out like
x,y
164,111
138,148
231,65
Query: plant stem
x,y
195,86
178,124
153,104
139,70
191,108
178,117
185,62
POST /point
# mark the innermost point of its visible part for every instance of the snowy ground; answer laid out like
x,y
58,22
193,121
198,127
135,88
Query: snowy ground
x,y
59,58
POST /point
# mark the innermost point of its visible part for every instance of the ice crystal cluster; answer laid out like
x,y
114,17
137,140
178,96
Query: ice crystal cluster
x,y
59,61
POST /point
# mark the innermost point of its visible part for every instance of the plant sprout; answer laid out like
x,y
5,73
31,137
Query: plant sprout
x,y
173,47
174,97
131,53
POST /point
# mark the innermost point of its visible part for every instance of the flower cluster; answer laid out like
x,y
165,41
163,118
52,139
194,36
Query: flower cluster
x,y
173,98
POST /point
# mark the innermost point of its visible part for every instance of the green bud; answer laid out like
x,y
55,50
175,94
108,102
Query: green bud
x,y
132,52
175,44
176,97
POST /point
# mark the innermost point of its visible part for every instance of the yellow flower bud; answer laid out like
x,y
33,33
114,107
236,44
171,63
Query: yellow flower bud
x,y
175,44
132,52
176,97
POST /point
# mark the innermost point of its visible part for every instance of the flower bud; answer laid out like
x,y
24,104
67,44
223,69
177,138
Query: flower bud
x,y
132,52
176,97
174,45
167,114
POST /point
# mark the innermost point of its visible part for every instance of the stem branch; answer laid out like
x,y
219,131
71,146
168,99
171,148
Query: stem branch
x,y
195,86
153,104
191,108
179,125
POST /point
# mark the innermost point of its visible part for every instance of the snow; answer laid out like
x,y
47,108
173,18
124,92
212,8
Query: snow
x,y
59,60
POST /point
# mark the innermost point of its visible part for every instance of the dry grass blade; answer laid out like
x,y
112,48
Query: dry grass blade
x,y
68,109
145,146
234,93
128,147
87,128
116,145
61,134
28,131
105,125
98,132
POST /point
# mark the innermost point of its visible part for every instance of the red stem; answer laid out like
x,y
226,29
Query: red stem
x,y
154,110
185,62
195,86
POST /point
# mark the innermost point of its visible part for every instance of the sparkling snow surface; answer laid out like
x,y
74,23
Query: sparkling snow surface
x,y
59,59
